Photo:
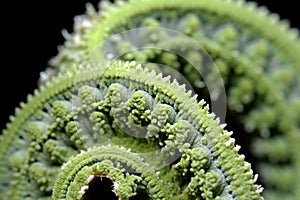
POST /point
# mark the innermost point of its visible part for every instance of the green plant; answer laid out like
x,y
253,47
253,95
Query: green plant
x,y
100,98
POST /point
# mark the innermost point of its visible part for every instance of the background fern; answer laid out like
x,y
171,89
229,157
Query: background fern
x,y
25,31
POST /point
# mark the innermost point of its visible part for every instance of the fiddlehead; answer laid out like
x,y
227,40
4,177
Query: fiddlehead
x,y
245,53
99,117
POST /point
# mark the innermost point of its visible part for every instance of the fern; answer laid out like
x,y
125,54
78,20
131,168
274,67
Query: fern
x,y
122,104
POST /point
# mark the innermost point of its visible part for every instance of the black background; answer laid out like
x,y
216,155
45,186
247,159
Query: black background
x,y
31,32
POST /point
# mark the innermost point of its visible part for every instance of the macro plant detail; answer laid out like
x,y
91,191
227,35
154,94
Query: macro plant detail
x,y
126,109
